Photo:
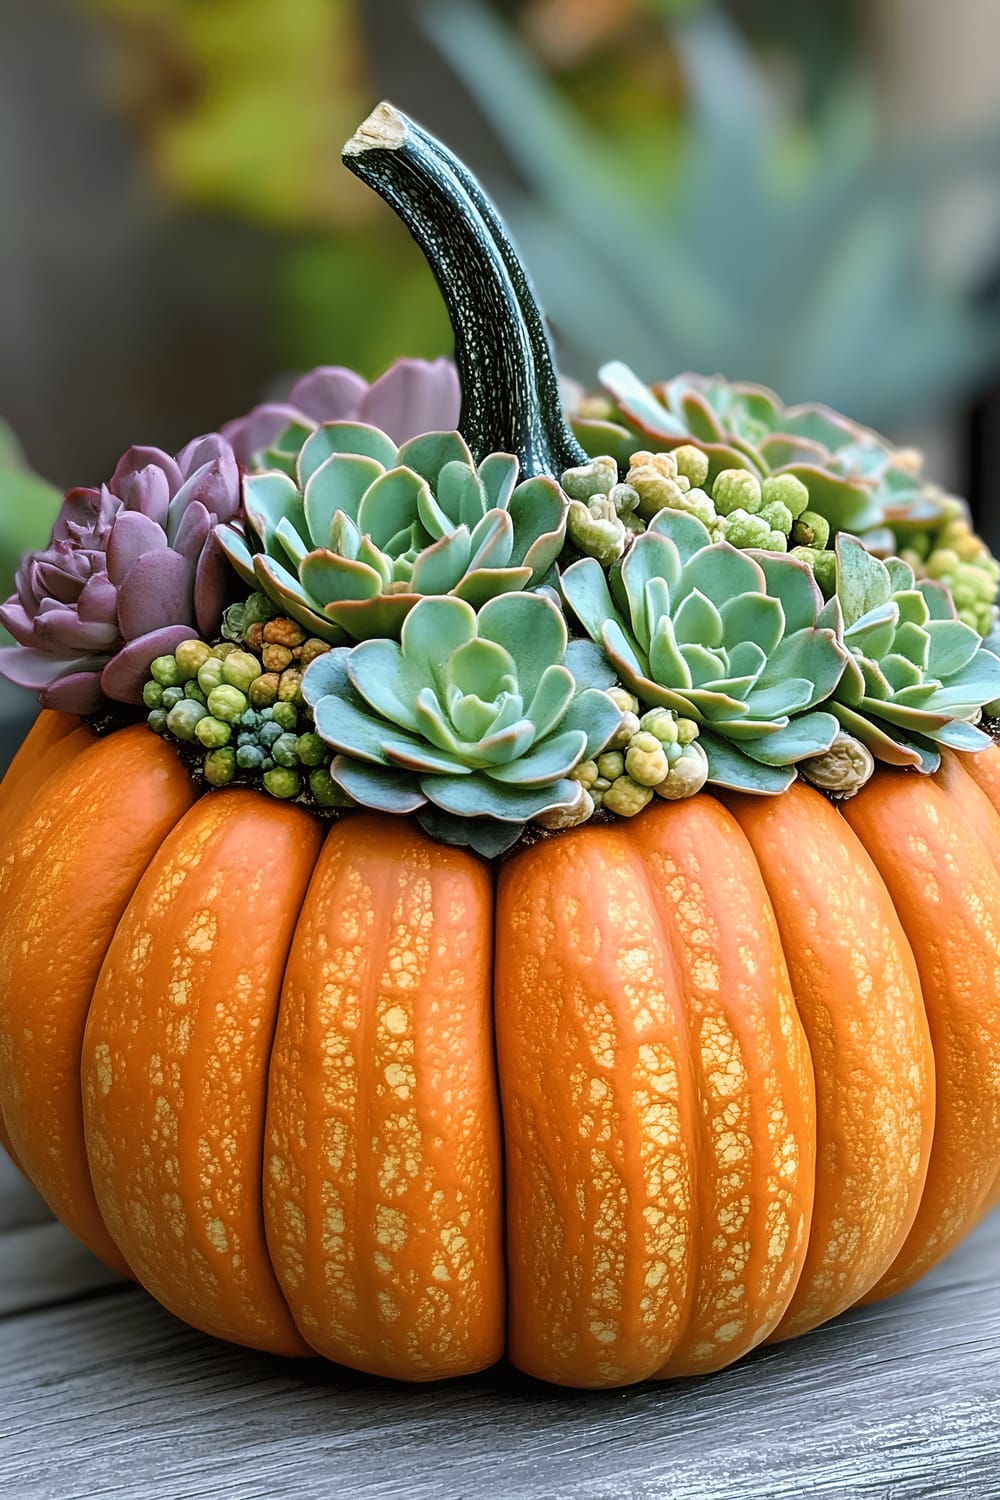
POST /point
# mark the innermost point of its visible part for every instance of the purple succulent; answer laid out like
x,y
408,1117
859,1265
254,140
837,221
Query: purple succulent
x,y
413,396
132,569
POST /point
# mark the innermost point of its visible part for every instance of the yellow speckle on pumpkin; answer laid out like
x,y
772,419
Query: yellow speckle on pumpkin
x,y
215,1231
103,1067
391,1227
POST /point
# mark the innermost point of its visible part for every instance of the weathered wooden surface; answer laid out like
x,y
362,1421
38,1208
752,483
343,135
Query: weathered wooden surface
x,y
103,1393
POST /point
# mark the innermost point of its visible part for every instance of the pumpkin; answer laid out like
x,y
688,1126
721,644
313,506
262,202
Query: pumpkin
x,y
621,1105
352,1094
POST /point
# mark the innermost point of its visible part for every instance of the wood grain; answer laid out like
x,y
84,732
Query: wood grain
x,y
900,1401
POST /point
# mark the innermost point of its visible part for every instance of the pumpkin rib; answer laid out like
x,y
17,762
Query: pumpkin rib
x,y
984,769
63,900
28,785
858,996
754,1078
947,897
381,1187
176,1050
968,795
48,728
978,797
52,741
599,1114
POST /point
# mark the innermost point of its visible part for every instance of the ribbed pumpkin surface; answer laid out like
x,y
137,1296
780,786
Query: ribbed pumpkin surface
x,y
648,1095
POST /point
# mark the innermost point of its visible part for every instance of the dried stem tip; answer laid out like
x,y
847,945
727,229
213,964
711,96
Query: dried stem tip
x,y
385,129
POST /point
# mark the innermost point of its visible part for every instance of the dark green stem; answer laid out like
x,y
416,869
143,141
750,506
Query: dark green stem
x,y
510,390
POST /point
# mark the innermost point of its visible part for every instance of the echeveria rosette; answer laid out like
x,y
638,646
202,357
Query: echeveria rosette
x,y
917,676
130,570
728,638
412,396
365,529
856,479
472,720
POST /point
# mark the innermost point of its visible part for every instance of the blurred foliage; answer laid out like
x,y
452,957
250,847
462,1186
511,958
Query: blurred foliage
x,y
28,506
360,300
244,104
771,247
689,199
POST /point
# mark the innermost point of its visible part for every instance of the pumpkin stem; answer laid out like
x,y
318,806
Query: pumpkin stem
x,y
510,389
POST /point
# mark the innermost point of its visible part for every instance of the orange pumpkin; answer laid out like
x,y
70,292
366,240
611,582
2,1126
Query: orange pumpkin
x,y
655,1093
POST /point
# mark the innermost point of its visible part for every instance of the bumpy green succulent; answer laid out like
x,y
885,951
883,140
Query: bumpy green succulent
x,y
472,721
855,478
364,529
208,698
720,636
917,676
606,514
656,755
601,519
954,555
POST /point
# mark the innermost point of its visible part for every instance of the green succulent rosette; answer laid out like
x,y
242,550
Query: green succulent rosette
x,y
917,676
856,479
361,530
728,638
472,720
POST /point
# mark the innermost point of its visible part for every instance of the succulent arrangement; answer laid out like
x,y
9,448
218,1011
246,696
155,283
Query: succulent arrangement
x,y
517,623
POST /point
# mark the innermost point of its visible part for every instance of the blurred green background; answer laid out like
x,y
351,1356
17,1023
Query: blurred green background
x,y
806,195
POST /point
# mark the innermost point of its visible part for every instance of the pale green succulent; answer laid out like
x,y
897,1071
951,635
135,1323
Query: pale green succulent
x,y
917,676
364,529
472,721
729,639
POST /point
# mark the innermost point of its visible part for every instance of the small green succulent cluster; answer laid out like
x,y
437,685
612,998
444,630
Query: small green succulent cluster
x,y
360,530
606,513
657,754
473,720
218,703
952,554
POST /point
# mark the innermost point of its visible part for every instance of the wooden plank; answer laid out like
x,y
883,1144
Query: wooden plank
x,y
114,1397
